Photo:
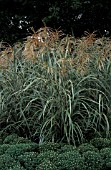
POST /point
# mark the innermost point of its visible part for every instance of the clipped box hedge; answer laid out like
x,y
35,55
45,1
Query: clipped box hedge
x,y
54,156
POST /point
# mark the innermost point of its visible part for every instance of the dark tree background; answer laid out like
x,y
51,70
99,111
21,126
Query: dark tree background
x,y
72,16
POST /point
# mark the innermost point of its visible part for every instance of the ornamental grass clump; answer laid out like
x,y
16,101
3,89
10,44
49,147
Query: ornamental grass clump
x,y
6,55
57,88
51,106
40,42
8,52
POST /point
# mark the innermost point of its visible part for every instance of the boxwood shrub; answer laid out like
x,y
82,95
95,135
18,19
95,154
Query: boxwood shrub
x,y
28,160
46,164
3,148
101,142
92,160
55,156
50,155
18,149
14,139
49,146
67,148
86,147
7,162
71,160
10,139
106,156
16,167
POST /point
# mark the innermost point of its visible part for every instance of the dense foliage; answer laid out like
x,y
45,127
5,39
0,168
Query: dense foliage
x,y
51,159
73,16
